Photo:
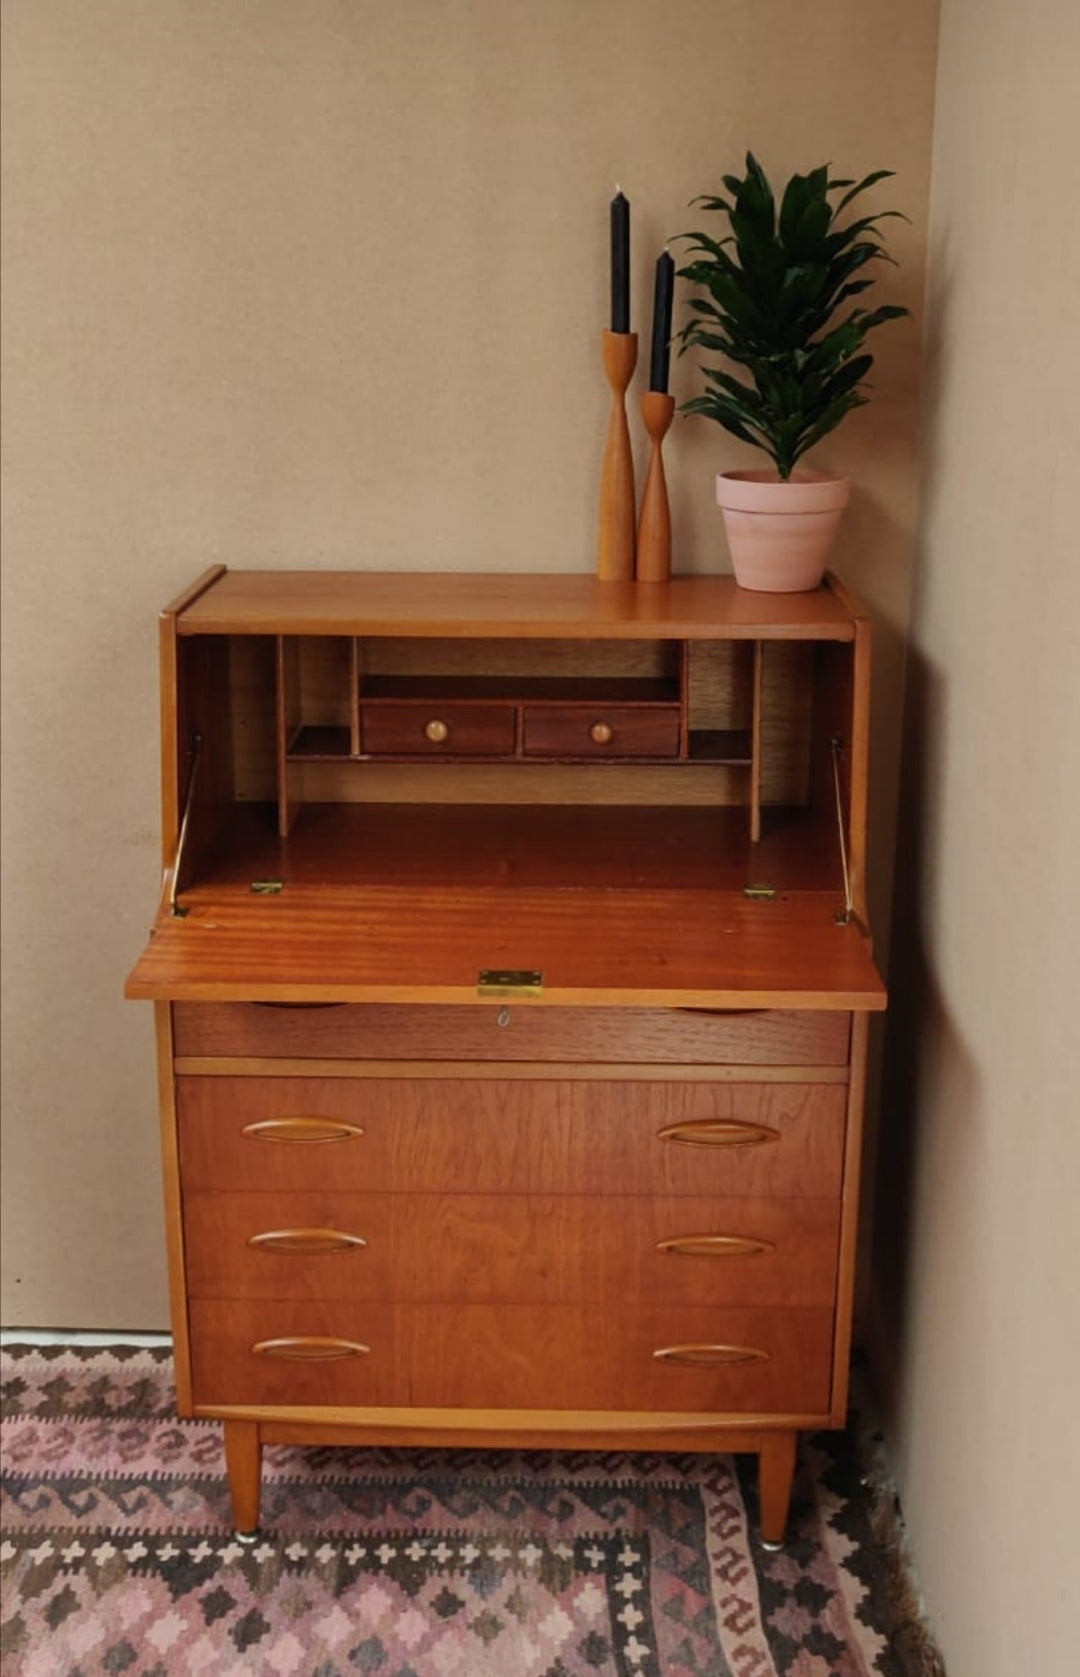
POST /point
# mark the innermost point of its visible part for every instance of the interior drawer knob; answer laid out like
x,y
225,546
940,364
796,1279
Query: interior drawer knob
x,y
303,1242
717,1132
601,733
711,1356
436,731
310,1348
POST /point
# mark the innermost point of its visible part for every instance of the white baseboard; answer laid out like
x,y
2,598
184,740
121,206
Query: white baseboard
x,y
64,1336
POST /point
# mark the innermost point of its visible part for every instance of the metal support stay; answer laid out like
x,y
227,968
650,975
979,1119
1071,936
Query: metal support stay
x,y
196,752
846,916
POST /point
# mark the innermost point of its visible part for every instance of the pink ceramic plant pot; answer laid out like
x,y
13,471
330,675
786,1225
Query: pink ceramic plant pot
x,y
779,534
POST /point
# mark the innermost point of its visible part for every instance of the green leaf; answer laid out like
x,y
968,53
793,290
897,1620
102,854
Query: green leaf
x,y
729,419
853,290
713,247
828,422
710,203
887,311
707,340
867,181
741,393
867,225
792,204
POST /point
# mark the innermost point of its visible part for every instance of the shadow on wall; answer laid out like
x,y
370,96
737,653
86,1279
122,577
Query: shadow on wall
x,y
930,1082
909,979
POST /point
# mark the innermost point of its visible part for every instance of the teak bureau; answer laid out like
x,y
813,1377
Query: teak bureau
x,y
511,977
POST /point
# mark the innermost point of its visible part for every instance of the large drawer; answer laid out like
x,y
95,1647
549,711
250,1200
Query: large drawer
x,y
422,1134
768,1036
455,1248
512,1356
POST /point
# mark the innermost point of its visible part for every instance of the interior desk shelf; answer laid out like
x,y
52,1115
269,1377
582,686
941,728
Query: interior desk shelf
x,y
589,689
511,977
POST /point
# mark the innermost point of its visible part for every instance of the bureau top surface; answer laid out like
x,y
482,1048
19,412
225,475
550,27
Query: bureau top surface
x,y
500,606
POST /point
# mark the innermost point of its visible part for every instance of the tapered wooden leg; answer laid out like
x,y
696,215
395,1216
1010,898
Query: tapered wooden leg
x,y
776,1469
243,1459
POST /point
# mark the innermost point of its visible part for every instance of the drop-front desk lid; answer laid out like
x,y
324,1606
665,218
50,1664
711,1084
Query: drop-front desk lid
x,y
422,904
595,947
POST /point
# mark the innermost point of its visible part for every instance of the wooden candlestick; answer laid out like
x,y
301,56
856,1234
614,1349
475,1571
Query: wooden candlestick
x,y
654,525
615,548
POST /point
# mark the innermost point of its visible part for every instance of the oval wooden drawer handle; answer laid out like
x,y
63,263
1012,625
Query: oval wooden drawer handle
x,y
310,1348
715,1245
601,733
301,1130
717,1132
300,1007
301,1242
436,731
711,1356
712,1012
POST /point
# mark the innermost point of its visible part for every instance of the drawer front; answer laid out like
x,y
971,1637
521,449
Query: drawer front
x,y
458,1248
566,731
740,1361
431,729
515,1032
531,1136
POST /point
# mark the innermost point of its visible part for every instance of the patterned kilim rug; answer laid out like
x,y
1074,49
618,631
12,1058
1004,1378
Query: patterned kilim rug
x,y
117,1556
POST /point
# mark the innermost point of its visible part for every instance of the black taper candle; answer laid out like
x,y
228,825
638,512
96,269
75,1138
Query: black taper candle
x,y
660,360
620,263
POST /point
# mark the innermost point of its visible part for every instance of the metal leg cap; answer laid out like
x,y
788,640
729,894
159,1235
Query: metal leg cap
x,y
247,1537
773,1548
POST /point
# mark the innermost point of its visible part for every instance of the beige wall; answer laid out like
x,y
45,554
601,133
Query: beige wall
x,y
980,1215
322,284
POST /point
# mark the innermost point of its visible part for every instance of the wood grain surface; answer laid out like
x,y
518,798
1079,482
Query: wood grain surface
x,y
497,605
560,1356
509,1032
644,948
432,1135
524,1249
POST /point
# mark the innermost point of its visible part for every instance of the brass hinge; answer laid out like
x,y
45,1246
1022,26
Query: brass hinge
x,y
494,981
267,887
760,893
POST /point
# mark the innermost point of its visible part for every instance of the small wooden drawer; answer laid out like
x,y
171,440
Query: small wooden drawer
x,y
520,1356
598,732
431,729
516,1031
440,1135
525,1249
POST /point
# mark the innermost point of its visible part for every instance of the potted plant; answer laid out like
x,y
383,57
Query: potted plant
x,y
775,288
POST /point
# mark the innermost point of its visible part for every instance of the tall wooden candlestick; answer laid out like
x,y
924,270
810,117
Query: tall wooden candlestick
x,y
615,548
654,525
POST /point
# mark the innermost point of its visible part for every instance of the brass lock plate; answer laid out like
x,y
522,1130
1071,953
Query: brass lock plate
x,y
499,981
